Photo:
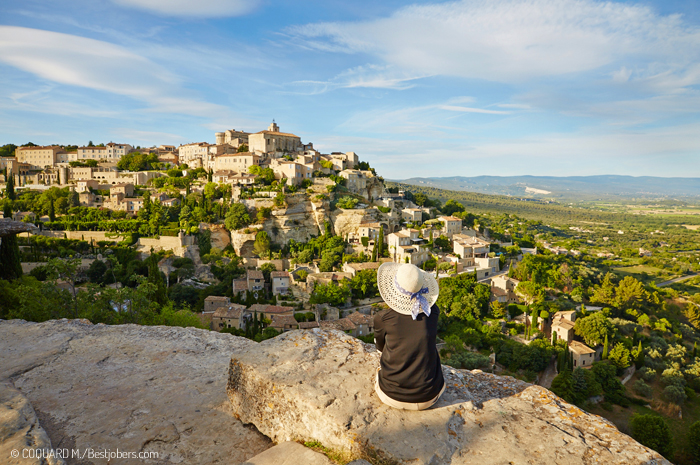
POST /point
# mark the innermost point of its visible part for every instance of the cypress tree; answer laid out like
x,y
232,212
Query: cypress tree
x,y
605,348
10,263
374,251
554,337
380,242
154,277
10,189
52,214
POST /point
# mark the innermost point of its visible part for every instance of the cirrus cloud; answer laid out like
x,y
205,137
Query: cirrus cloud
x,y
512,40
193,8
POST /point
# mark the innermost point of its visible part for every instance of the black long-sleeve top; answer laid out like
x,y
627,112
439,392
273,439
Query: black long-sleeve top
x,y
411,370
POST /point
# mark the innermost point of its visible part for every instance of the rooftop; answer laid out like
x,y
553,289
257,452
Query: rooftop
x,y
580,348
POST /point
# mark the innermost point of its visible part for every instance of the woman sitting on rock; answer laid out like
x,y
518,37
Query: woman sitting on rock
x,y
410,374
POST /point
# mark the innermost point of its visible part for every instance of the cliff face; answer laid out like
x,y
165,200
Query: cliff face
x,y
162,389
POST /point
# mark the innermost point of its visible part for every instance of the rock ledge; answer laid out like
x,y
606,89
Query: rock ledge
x,y
318,385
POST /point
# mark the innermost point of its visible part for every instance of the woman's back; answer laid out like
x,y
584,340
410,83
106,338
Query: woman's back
x,y
410,363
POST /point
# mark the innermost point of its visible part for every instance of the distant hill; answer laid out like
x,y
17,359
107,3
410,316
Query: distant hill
x,y
568,188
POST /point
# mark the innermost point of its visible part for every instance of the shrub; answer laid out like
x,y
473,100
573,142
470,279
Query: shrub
x,y
467,360
653,432
647,374
675,394
642,388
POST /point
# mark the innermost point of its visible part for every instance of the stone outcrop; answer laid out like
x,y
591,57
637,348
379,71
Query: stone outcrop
x,y
128,387
316,385
163,389
220,237
20,430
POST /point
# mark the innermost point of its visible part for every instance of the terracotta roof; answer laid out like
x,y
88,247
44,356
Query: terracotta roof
x,y
215,298
280,321
278,309
240,285
580,348
341,325
563,323
449,218
255,274
232,311
360,318
258,307
364,266
277,133
279,274
308,325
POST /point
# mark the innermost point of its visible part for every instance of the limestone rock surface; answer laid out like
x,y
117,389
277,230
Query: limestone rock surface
x,y
316,385
132,388
20,431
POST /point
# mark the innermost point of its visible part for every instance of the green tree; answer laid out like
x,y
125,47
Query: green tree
x,y
267,269
155,278
653,432
10,188
694,441
10,265
531,292
261,246
237,217
594,328
562,385
331,293
498,309
380,242
605,348
364,283
642,388
619,356
674,393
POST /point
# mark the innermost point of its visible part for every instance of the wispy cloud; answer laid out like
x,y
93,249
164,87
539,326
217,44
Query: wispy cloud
x,y
367,76
473,110
511,40
193,8
98,65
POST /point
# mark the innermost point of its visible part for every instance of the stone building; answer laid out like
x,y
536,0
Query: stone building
x,y
273,140
452,225
230,316
406,246
583,355
280,282
213,302
232,137
38,157
238,162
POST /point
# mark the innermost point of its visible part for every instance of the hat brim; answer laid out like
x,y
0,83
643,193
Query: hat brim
x,y
398,301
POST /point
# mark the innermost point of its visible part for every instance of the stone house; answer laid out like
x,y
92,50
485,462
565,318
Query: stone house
x,y
406,246
452,225
240,286
256,280
280,282
268,311
583,355
364,324
284,323
354,268
412,215
213,302
564,329
506,286
230,316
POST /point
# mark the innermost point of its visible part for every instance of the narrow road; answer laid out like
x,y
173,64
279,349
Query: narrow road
x,y
548,374
677,280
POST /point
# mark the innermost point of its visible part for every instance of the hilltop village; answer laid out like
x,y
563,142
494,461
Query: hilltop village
x,y
269,193
260,233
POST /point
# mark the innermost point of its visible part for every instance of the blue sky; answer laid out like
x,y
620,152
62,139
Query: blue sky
x,y
504,87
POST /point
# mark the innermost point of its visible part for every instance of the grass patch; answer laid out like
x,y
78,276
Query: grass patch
x,y
342,458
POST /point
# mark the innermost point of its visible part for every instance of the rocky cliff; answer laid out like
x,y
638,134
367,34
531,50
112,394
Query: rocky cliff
x,y
162,389
319,385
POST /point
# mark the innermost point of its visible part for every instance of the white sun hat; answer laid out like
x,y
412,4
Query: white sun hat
x,y
406,288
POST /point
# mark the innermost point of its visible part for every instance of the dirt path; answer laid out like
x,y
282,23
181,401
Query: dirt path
x,y
548,374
